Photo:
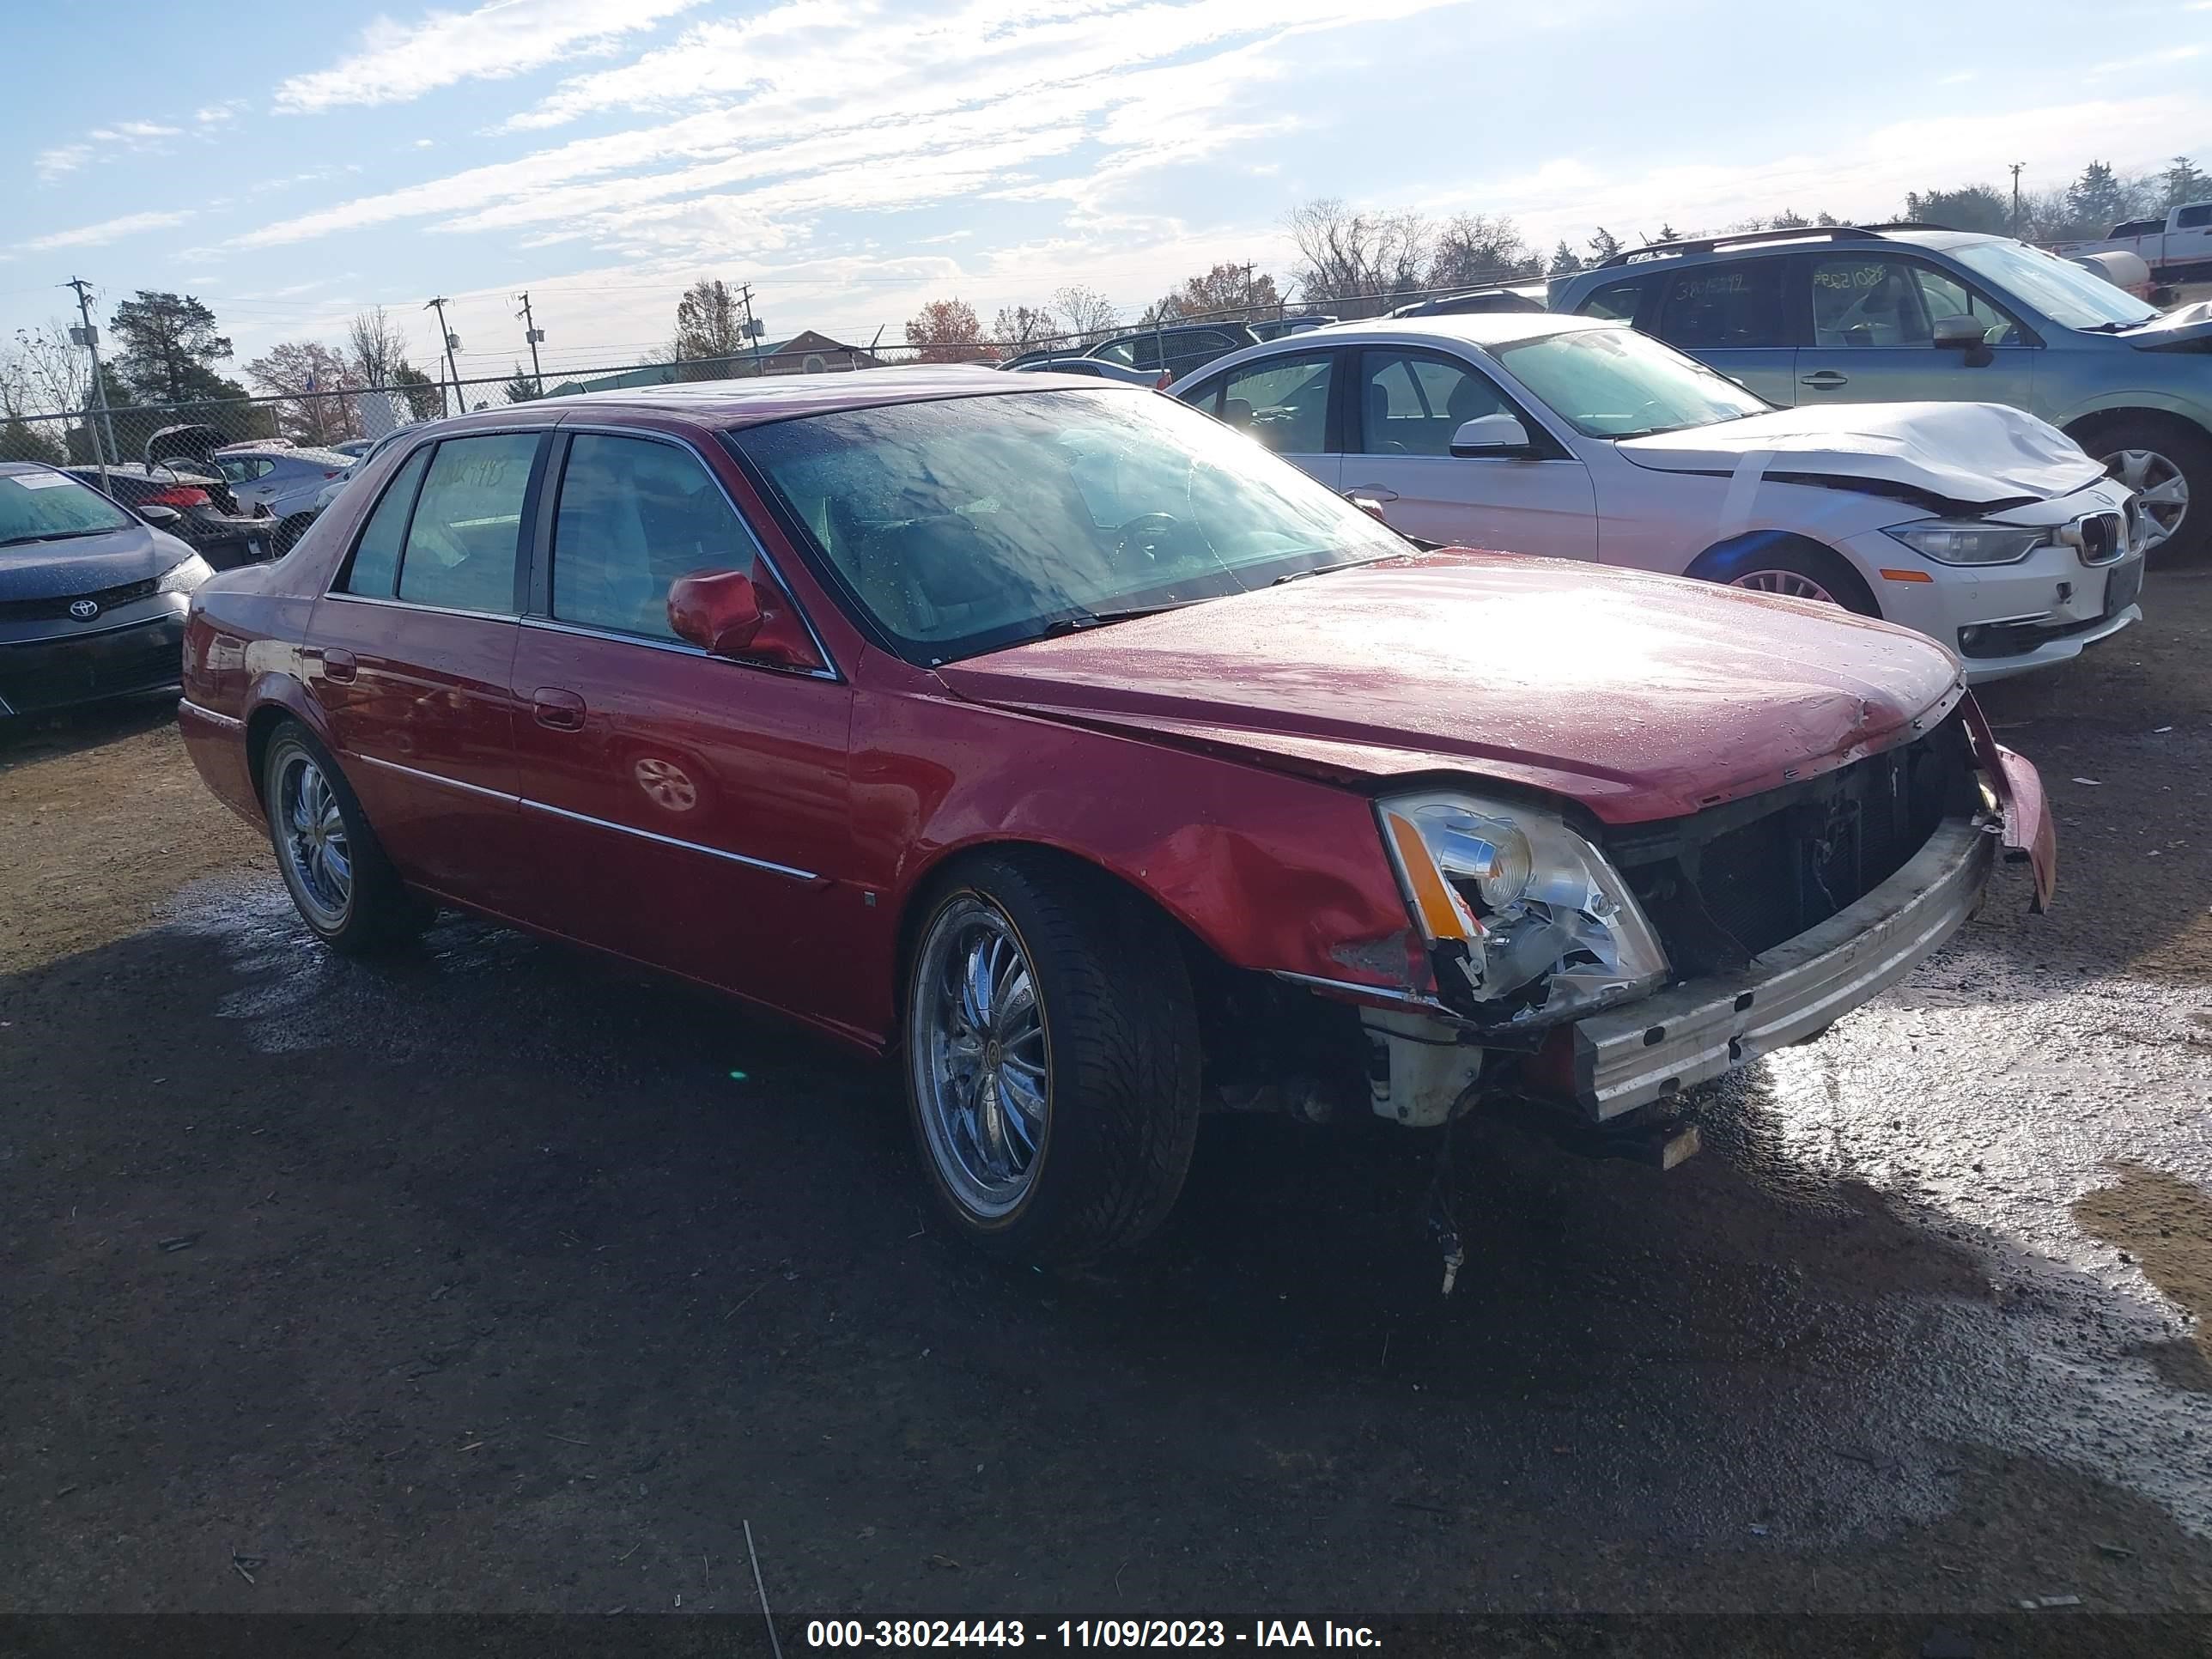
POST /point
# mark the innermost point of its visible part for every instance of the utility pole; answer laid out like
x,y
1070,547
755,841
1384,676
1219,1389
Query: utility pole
x,y
438,304
752,328
2016,167
1247,292
533,334
88,338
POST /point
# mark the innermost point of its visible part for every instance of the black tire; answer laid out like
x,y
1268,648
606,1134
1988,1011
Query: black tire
x,y
1744,564
374,911
1121,1057
2187,448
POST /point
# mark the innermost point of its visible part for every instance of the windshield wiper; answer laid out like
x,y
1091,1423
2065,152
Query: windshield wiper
x,y
1082,620
50,536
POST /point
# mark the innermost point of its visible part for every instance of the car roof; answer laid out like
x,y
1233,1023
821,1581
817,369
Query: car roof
x,y
1478,328
732,404
1632,263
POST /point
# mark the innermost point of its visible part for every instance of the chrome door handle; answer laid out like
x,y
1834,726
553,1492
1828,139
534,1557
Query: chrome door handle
x,y
1825,379
339,667
1373,492
557,710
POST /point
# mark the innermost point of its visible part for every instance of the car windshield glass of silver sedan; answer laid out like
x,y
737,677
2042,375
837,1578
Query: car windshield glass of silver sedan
x,y
964,525
2060,290
42,507
1616,382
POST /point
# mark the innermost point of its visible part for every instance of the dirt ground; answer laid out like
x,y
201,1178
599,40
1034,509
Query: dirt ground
x,y
498,1278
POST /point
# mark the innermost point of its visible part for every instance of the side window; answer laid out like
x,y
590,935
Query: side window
x,y
634,516
1144,352
461,544
1284,401
1411,404
1616,302
2193,218
1717,307
1942,294
1207,395
1859,300
1119,352
375,565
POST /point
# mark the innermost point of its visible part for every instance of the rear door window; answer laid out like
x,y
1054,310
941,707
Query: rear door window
x,y
1717,307
374,571
463,540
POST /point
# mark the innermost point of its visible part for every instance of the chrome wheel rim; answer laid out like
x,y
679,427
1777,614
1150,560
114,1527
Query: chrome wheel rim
x,y
311,839
1788,583
980,1057
2161,491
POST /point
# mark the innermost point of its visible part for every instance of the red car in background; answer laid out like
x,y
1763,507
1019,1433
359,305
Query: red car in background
x,y
1103,767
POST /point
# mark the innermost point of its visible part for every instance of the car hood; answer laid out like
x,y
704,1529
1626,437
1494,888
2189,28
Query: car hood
x,y
85,564
2184,327
1973,458
1640,696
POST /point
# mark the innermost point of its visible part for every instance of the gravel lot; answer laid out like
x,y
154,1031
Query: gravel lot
x,y
500,1279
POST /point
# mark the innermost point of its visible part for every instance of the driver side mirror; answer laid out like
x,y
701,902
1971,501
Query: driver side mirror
x,y
1491,435
1962,334
727,614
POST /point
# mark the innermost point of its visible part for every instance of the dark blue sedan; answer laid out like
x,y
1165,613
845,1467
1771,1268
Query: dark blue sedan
x,y
92,596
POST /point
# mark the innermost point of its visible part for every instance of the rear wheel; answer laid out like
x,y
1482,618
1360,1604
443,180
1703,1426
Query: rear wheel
x,y
340,881
1051,1055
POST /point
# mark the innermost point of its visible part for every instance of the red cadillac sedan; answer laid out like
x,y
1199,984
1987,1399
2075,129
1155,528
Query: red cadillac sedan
x,y
1106,770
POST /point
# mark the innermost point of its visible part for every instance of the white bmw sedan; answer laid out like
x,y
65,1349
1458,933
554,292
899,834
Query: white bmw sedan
x,y
1565,436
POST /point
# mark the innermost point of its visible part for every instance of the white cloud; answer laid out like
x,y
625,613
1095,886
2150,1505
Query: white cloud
x,y
121,136
2148,60
394,62
108,230
1569,198
61,160
213,115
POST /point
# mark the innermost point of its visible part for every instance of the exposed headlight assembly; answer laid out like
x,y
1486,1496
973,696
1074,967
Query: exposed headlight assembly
x,y
1528,916
1969,542
184,575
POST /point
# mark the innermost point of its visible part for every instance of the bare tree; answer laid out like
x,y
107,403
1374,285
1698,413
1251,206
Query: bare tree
x,y
1017,325
1348,253
1087,313
374,347
1474,248
42,373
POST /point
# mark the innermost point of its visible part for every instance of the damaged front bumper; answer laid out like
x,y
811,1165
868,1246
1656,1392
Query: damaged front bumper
x,y
1628,1057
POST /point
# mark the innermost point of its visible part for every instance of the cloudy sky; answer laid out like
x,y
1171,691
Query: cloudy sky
x,y
852,159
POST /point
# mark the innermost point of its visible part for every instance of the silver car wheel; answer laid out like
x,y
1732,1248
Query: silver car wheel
x,y
1788,583
980,1057
2161,491
312,840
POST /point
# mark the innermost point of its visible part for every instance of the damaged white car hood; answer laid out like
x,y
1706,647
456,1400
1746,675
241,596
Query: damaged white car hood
x,y
1975,456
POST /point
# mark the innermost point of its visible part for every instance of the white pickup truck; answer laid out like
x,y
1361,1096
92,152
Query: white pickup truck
x,y
2175,247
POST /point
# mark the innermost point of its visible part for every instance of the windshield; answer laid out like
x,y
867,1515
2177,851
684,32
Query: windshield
x,y
2061,290
1616,382
37,507
962,525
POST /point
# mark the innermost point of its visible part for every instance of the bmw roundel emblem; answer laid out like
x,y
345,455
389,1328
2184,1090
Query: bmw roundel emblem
x,y
85,610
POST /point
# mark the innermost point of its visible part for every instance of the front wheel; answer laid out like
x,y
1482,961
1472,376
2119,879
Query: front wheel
x,y
1052,1060
2170,469
1794,570
339,880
